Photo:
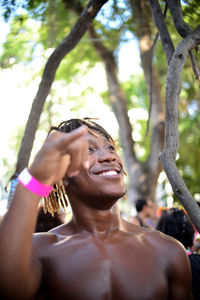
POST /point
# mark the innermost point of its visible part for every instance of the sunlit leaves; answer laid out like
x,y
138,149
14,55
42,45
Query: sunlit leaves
x,y
21,42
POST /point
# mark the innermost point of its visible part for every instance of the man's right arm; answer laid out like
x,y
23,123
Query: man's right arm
x,y
20,275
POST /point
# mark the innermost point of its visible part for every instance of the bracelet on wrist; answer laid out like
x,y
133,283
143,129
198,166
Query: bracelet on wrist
x,y
33,185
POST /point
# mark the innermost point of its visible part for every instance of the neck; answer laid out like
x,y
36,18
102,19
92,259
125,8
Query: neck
x,y
94,220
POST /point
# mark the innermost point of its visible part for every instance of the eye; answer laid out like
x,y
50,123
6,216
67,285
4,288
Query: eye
x,y
111,148
91,149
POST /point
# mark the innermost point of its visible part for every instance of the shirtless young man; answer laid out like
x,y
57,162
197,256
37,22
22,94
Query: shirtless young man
x,y
97,255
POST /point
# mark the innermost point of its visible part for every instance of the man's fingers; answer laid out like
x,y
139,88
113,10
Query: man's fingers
x,y
79,157
85,157
59,148
62,139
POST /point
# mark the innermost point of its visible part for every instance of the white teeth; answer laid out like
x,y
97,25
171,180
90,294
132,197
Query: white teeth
x,y
108,173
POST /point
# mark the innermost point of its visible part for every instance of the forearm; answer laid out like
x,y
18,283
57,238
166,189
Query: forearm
x,y
16,232
18,276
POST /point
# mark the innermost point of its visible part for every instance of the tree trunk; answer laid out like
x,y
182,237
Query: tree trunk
x,y
168,156
145,175
176,62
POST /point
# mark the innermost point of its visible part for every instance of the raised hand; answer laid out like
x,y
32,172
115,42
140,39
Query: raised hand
x,y
61,154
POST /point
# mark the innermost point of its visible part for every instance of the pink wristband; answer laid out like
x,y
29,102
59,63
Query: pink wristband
x,y
33,185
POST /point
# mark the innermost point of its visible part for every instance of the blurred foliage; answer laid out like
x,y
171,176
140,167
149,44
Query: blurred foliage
x,y
19,45
136,92
188,161
191,12
14,144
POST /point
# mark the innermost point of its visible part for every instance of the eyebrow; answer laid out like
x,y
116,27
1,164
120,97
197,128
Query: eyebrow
x,y
92,132
106,141
91,141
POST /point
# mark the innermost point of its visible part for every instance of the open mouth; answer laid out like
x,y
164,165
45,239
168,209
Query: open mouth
x,y
109,171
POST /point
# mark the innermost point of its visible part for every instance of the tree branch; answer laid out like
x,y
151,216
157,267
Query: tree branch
x,y
175,8
168,156
151,82
162,28
151,75
194,66
183,29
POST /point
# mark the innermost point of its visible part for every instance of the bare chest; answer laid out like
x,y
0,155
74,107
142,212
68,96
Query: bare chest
x,y
88,269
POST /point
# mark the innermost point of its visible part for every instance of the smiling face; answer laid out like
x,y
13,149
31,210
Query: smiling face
x,y
102,184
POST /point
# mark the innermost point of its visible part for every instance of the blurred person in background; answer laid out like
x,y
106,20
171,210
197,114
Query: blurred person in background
x,y
145,212
175,223
46,222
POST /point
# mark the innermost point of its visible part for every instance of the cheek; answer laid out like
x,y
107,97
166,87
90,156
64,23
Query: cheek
x,y
80,183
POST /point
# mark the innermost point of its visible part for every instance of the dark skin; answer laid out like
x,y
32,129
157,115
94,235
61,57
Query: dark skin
x,y
97,255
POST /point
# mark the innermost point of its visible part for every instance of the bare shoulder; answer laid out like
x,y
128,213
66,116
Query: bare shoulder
x,y
167,245
169,248
172,257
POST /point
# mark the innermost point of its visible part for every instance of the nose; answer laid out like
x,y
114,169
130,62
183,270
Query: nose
x,y
105,155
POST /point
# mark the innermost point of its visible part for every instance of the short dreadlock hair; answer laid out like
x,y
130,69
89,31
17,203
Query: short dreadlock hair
x,y
68,126
58,195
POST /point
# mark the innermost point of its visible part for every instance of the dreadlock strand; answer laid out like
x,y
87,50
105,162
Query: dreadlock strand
x,y
62,203
93,133
64,197
57,206
54,204
45,204
48,205
63,194
124,172
52,199
87,122
55,200
125,197
60,196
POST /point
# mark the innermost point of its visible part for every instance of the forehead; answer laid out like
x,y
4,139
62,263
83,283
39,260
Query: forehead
x,y
95,136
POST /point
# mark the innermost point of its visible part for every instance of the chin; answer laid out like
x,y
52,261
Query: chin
x,y
112,196
104,204
114,192
104,200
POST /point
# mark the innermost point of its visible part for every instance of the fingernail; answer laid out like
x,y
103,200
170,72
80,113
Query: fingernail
x,y
81,128
73,174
